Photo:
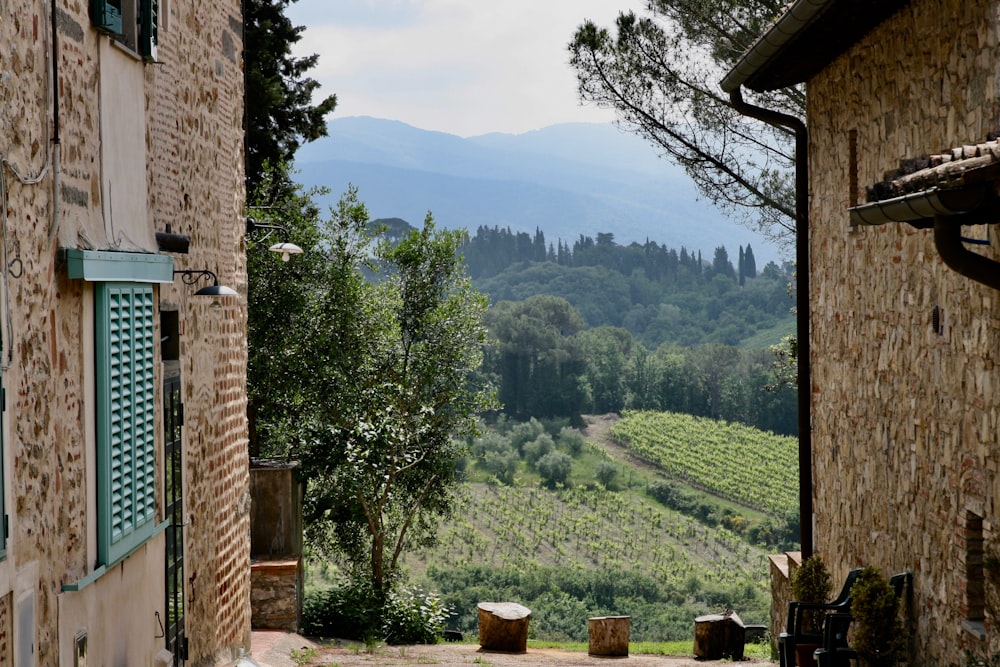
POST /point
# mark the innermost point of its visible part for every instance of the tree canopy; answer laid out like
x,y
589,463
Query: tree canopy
x,y
364,363
280,114
660,73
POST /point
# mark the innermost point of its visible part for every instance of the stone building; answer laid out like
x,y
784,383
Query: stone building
x,y
903,106
121,147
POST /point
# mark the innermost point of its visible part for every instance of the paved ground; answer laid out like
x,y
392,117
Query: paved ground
x,y
277,649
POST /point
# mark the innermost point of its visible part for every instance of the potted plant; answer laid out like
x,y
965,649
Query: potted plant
x,y
879,634
810,583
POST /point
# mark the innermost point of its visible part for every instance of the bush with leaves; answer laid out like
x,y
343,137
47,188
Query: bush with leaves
x,y
413,616
353,611
570,440
606,473
535,450
879,633
554,468
811,583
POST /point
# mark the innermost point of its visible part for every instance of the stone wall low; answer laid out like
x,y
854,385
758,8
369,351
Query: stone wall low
x,y
782,568
276,594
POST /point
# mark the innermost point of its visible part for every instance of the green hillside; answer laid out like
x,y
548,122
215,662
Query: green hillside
x,y
752,467
583,548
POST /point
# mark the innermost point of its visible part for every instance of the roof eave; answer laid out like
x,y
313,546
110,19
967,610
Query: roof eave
x,y
769,45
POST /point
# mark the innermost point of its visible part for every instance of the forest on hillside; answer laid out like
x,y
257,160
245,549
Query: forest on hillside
x,y
659,294
597,327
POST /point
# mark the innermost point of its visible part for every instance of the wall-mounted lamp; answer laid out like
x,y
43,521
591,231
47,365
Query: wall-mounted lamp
x,y
192,276
286,249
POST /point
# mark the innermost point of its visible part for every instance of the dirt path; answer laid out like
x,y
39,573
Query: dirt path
x,y
469,654
598,431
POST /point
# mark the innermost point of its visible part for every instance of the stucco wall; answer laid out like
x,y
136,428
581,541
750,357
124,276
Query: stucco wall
x,y
905,420
188,159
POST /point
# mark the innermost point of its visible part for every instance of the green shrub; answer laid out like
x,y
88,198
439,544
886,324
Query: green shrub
x,y
606,473
554,468
570,440
412,616
408,616
811,583
344,612
879,634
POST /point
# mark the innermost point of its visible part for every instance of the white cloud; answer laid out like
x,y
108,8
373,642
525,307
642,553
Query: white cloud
x,y
460,66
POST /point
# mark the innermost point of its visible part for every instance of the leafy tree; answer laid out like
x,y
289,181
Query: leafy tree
x,y
384,468
525,432
502,464
285,336
606,473
554,468
606,350
538,448
367,382
536,357
570,440
280,114
660,73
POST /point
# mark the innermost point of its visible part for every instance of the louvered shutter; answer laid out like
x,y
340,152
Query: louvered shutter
x,y
149,38
126,443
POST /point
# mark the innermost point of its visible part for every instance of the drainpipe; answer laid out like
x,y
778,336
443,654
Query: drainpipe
x,y
56,148
948,241
772,117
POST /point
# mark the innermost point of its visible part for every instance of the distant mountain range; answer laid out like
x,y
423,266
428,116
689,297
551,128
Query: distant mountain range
x,y
566,180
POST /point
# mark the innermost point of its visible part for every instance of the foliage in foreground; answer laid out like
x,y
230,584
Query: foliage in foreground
x,y
408,615
659,70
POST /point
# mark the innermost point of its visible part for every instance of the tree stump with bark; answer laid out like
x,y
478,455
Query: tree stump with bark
x,y
503,626
609,635
718,636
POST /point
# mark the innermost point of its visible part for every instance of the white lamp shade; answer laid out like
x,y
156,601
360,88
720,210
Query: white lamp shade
x,y
286,249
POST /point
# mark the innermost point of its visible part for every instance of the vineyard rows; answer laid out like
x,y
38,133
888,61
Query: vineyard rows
x,y
516,527
754,468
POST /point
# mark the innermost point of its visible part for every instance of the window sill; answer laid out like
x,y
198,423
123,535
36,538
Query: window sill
x,y
100,571
125,48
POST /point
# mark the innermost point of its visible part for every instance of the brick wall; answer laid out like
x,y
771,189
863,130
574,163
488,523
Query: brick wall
x,y
905,419
197,188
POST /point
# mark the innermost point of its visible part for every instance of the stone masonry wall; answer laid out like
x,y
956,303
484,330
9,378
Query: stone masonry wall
x,y
905,418
41,326
194,157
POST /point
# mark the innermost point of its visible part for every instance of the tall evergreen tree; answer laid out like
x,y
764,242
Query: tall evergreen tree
x,y
280,114
751,263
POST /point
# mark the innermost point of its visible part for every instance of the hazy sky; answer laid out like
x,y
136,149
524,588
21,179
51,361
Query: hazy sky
x,y
466,67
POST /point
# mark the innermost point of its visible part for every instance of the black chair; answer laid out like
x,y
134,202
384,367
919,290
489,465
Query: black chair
x,y
796,634
835,651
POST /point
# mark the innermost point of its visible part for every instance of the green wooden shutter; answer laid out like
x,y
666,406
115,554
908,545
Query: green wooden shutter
x,y
149,18
107,15
126,443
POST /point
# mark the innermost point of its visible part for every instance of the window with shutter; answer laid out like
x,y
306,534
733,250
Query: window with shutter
x,y
134,24
125,345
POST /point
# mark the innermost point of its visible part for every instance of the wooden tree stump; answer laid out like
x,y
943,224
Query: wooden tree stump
x,y
609,635
718,636
503,626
